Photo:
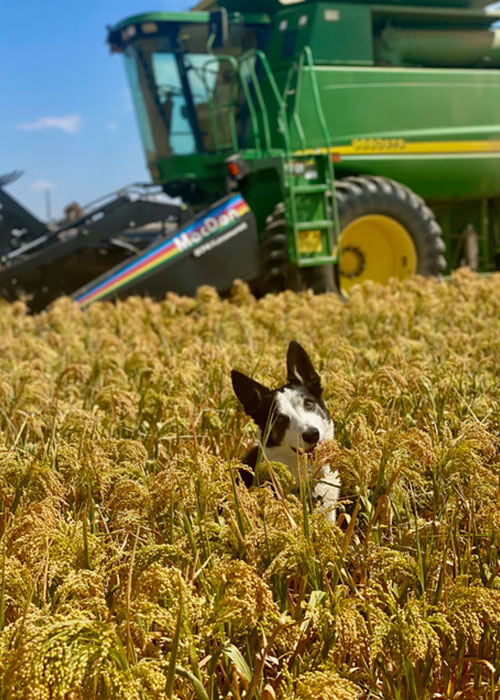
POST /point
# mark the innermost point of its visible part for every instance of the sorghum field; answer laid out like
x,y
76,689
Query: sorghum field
x,y
133,564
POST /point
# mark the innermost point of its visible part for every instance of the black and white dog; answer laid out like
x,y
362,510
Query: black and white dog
x,y
292,420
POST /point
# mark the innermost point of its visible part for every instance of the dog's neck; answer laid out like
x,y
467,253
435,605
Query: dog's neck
x,y
325,486
283,454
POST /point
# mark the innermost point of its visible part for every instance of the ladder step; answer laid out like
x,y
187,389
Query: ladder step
x,y
311,225
319,260
308,189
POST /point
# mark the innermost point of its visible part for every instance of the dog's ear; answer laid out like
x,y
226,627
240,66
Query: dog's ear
x,y
300,369
251,394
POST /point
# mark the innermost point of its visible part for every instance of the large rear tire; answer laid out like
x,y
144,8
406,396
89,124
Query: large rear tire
x,y
386,230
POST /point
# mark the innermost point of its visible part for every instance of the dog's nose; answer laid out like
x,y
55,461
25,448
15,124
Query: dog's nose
x,y
311,435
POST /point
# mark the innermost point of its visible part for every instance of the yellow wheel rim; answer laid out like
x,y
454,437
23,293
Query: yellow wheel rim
x,y
375,247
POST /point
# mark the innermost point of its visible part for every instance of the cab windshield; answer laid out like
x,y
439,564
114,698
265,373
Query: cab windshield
x,y
183,95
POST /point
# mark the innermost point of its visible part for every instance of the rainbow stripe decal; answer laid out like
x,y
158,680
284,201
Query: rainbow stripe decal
x,y
208,226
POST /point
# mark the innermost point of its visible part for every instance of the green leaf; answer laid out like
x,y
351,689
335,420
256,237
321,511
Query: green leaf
x,y
234,654
169,686
200,692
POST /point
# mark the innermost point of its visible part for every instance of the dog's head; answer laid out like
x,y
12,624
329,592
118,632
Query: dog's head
x,y
294,417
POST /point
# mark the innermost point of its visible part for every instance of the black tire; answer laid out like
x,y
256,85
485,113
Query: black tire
x,y
274,265
366,196
277,273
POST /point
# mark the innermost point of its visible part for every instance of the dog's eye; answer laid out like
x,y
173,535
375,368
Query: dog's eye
x,y
309,404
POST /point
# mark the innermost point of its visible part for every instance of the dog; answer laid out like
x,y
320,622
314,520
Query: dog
x,y
292,421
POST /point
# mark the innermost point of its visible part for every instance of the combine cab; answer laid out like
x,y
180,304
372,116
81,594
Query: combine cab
x,y
361,140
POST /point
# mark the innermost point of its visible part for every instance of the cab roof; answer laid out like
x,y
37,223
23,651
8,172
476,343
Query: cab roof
x,y
150,23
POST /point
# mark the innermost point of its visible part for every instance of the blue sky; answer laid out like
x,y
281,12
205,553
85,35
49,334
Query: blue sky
x,y
66,115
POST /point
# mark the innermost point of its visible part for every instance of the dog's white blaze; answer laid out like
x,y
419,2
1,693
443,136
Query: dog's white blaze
x,y
291,403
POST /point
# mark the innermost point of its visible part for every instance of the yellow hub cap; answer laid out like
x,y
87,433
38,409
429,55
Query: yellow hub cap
x,y
375,247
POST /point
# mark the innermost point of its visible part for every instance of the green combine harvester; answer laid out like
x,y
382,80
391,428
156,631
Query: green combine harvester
x,y
386,113
315,144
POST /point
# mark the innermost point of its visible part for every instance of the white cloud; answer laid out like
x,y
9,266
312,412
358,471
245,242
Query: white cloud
x,y
41,185
112,126
70,124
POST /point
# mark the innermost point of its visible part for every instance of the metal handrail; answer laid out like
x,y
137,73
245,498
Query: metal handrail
x,y
305,60
307,53
326,136
262,104
247,67
305,64
259,112
259,116
282,121
295,71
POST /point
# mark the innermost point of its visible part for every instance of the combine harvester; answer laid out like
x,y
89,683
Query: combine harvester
x,y
313,144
